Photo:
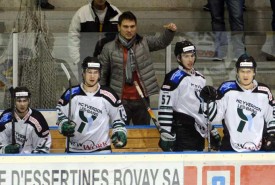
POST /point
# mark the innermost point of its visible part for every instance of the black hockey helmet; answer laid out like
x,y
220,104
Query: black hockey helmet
x,y
21,92
246,61
183,47
91,62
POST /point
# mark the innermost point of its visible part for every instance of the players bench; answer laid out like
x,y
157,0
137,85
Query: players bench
x,y
140,139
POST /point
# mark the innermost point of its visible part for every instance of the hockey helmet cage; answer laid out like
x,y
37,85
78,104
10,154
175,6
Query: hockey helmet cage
x,y
246,61
183,47
91,62
21,92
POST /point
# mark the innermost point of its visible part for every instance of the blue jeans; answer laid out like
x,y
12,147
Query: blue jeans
x,y
235,10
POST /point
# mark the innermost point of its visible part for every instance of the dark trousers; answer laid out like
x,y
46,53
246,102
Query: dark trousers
x,y
272,2
187,137
136,112
235,10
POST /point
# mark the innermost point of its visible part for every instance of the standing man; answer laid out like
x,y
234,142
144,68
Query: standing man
x,y
269,46
235,10
97,16
44,4
31,130
92,108
246,108
127,59
180,107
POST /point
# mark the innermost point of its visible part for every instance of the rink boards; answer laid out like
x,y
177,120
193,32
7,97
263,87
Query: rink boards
x,y
139,168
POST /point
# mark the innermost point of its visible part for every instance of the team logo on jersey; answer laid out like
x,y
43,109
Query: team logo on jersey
x,y
252,112
86,121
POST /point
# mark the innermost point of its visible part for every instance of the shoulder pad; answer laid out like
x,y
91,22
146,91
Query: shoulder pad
x,y
199,74
39,123
110,95
227,86
265,89
5,117
65,98
75,90
173,79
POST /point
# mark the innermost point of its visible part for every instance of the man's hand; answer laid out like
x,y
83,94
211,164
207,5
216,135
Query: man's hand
x,y
215,139
170,26
269,143
119,137
12,149
167,140
67,128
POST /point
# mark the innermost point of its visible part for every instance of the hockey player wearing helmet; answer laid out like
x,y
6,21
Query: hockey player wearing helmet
x,y
245,108
31,130
91,68
246,71
180,107
92,107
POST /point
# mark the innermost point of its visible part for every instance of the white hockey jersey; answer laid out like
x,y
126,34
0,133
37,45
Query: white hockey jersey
x,y
92,113
180,92
31,132
245,113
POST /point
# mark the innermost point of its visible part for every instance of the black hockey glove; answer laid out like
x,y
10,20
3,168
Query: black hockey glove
x,y
167,140
208,94
12,149
215,139
67,128
269,143
212,110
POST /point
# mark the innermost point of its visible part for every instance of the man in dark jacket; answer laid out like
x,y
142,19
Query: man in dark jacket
x,y
127,59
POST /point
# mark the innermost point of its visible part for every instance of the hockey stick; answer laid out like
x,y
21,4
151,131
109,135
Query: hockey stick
x,y
151,113
208,128
13,141
69,112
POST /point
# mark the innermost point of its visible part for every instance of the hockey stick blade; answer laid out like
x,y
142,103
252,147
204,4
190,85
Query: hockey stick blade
x,y
66,71
150,111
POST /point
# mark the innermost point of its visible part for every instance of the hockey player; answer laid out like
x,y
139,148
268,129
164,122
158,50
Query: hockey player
x,y
246,108
31,130
92,107
180,107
